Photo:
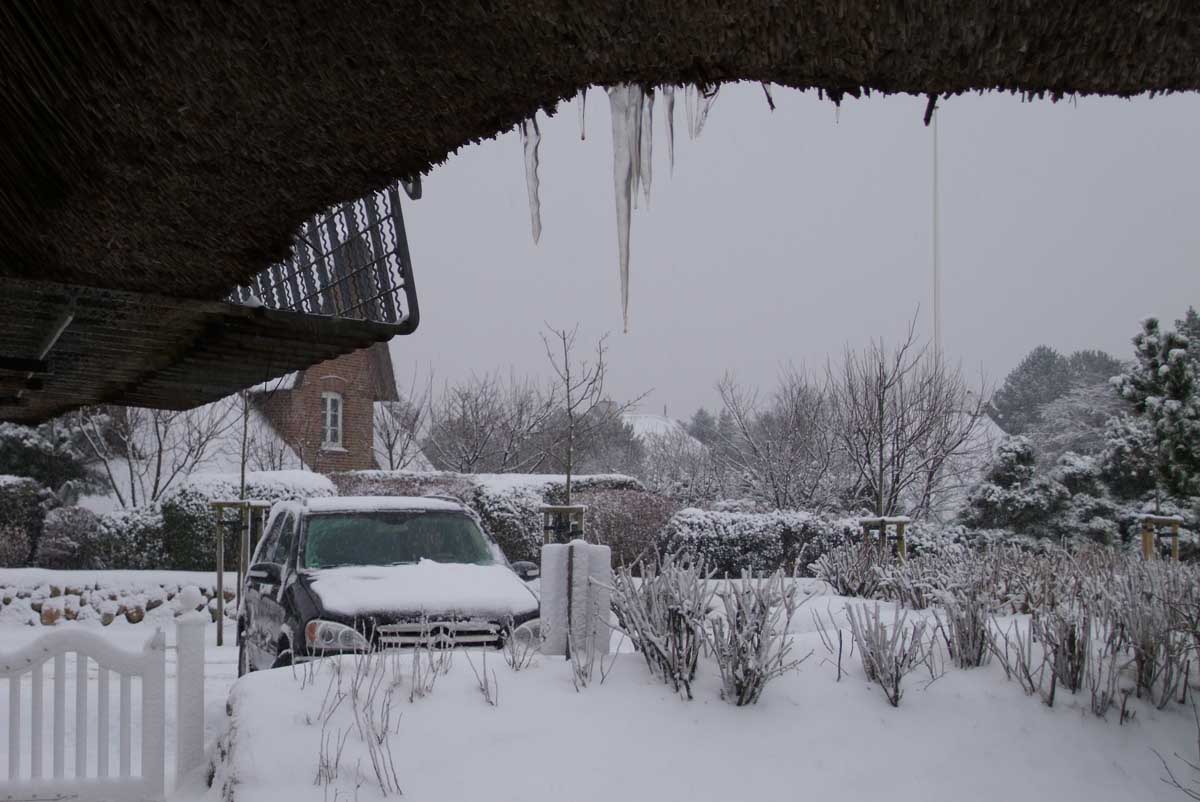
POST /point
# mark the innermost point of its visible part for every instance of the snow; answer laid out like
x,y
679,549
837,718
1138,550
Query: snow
x,y
430,587
376,503
969,735
273,484
285,382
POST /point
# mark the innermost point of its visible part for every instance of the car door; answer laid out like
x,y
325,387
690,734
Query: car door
x,y
271,611
256,626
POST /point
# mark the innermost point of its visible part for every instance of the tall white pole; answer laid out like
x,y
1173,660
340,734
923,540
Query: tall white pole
x,y
937,247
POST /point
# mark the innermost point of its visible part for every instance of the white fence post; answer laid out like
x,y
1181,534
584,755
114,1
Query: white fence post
x,y
189,693
154,717
576,578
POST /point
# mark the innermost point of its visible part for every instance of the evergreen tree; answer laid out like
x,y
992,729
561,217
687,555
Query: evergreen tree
x,y
1042,376
1162,386
703,426
1092,367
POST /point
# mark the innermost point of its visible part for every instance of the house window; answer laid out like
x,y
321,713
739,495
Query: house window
x,y
331,420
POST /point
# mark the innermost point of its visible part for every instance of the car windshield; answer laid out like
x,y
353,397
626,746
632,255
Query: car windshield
x,y
394,537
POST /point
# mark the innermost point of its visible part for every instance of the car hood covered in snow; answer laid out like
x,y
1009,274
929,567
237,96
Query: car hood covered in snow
x,y
426,588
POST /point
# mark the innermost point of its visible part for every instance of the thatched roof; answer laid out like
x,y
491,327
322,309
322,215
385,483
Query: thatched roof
x,y
173,146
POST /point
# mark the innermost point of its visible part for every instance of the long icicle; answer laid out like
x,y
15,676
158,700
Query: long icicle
x,y
669,96
582,114
625,105
531,138
646,142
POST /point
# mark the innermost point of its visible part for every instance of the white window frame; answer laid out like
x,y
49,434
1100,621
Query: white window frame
x,y
327,408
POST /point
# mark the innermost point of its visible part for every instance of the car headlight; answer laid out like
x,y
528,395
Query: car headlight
x,y
330,635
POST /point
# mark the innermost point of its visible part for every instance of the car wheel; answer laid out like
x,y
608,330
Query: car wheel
x,y
244,665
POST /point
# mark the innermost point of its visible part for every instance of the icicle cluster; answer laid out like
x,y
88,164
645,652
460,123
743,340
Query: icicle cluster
x,y
632,109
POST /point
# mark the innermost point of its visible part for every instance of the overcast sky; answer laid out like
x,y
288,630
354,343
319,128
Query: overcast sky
x,y
783,236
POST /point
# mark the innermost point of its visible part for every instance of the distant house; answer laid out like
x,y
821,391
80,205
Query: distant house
x,y
326,415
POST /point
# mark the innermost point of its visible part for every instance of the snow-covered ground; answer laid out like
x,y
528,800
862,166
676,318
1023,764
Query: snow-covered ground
x,y
967,735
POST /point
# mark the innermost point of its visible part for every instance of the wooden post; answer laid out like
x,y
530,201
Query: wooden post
x,y
220,577
1147,539
1175,541
901,546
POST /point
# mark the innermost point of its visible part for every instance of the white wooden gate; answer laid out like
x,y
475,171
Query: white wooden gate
x,y
94,773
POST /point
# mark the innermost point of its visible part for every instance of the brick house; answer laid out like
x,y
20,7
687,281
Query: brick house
x,y
325,414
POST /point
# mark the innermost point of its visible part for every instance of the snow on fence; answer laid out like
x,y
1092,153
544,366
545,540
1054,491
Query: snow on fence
x,y
96,674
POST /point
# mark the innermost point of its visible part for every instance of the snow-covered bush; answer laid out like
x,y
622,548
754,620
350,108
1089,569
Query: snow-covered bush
x,y
749,641
664,613
23,505
69,539
627,521
1012,496
888,653
964,621
189,536
728,542
131,539
1127,463
513,516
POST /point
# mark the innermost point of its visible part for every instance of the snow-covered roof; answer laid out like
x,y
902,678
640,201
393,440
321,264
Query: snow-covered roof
x,y
285,382
377,503
645,424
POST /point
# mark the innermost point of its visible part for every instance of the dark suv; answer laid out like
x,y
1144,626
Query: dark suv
x,y
335,575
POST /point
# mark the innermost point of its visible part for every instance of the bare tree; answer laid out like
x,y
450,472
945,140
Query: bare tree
x,y
784,448
399,425
902,417
582,407
464,425
678,465
526,411
142,452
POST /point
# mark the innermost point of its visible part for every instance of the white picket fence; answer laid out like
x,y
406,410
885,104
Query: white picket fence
x,y
109,771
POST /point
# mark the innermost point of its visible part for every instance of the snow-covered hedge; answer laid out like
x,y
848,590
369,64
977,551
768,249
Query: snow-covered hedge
x,y
23,505
189,540
627,521
69,539
130,539
731,541
508,504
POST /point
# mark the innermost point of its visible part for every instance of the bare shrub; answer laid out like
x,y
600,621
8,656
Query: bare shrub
x,y
488,686
520,644
750,642
1016,653
967,613
888,653
852,570
664,613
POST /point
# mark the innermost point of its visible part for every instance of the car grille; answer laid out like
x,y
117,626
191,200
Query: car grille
x,y
439,634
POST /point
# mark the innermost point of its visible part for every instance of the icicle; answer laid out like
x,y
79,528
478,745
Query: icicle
x,y
582,116
669,97
625,103
646,142
767,91
698,101
531,138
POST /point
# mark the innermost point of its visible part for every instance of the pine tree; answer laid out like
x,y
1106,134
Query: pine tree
x,y
703,426
1162,386
1090,367
1042,376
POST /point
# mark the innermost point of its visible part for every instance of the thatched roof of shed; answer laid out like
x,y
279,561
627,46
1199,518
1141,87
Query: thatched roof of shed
x,y
174,145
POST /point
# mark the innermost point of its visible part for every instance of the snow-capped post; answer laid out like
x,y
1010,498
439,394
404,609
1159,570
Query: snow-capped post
x,y
1150,524
189,688
576,582
881,525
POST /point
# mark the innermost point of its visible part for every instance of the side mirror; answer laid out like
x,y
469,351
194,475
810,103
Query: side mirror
x,y
267,573
526,570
